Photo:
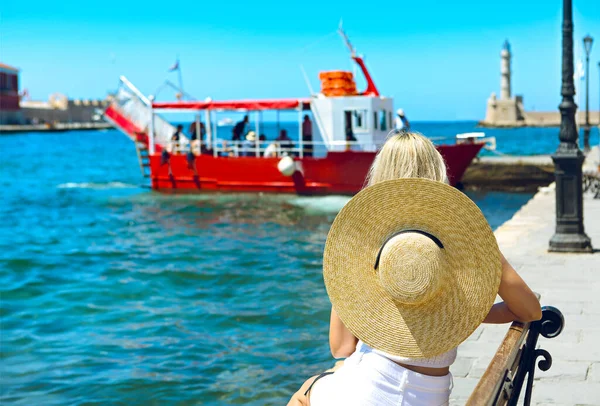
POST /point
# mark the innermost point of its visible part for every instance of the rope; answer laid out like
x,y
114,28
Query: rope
x,y
303,49
311,45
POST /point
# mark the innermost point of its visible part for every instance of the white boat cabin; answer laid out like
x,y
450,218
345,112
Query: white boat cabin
x,y
368,119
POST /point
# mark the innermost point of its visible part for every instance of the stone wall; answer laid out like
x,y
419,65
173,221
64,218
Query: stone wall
x,y
502,114
11,117
552,118
62,111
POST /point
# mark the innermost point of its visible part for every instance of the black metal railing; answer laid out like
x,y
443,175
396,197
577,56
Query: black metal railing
x,y
550,326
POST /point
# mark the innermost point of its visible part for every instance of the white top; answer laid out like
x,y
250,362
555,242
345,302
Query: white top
x,y
398,123
441,361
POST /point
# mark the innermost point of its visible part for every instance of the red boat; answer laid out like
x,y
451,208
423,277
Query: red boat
x,y
332,162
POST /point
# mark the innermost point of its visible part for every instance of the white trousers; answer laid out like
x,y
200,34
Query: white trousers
x,y
367,378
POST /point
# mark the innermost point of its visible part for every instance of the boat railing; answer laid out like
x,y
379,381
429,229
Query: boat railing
x,y
137,108
275,149
263,149
278,148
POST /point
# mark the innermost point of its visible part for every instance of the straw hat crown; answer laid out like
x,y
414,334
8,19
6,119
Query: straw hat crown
x,y
411,268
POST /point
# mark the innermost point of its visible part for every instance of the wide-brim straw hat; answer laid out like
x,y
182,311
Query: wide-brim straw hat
x,y
411,267
251,136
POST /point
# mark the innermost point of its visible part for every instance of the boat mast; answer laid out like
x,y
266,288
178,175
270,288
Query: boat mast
x,y
346,40
371,88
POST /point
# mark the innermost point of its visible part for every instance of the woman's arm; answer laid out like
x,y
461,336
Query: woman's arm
x,y
341,341
520,303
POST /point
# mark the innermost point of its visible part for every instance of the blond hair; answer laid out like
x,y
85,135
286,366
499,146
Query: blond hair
x,y
407,155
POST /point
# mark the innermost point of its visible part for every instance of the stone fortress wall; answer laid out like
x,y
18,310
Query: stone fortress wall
x,y
60,109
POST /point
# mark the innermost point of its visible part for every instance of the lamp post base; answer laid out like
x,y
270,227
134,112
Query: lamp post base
x,y
570,243
569,235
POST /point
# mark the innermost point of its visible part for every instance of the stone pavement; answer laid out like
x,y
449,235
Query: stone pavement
x,y
570,282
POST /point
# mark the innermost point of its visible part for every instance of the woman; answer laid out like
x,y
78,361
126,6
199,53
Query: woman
x,y
411,268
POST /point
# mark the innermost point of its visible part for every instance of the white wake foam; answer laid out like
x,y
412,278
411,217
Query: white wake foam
x,y
96,186
326,204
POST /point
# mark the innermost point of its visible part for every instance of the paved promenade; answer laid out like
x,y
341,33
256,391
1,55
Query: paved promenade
x,y
570,282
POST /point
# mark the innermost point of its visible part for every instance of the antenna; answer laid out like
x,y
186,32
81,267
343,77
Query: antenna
x,y
170,84
310,89
180,79
345,38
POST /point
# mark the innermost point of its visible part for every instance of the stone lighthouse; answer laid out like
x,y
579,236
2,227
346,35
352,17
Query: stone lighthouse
x,y
506,111
505,72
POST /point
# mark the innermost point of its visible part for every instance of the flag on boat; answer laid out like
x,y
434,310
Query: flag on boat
x,y
175,66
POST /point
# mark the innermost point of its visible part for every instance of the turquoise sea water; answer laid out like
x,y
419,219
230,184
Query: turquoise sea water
x,y
113,294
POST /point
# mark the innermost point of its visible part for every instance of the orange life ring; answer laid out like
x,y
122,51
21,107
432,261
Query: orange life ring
x,y
337,84
335,74
338,91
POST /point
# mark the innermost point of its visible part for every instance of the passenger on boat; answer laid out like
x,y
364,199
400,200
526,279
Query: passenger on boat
x,y
285,143
249,145
350,138
175,138
401,122
165,159
226,149
271,150
307,137
195,141
192,131
238,129
407,287
177,134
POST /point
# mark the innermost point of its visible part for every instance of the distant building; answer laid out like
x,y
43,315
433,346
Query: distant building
x,y
508,111
10,110
57,109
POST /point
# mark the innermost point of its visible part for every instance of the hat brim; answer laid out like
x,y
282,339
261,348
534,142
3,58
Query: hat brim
x,y
365,308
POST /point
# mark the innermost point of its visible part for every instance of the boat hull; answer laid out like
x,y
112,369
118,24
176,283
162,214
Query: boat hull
x,y
338,173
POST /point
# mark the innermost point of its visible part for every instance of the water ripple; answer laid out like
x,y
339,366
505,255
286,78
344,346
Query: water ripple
x,y
113,294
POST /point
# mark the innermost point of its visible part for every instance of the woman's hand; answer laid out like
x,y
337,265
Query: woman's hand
x,y
520,303
341,341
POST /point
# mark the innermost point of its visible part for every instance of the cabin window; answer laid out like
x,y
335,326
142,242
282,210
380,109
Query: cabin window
x,y
359,119
375,119
389,119
382,121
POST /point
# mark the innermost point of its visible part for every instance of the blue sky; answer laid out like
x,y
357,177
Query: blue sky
x,y
438,59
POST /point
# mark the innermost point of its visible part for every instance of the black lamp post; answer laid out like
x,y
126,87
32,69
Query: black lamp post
x,y
587,44
568,158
